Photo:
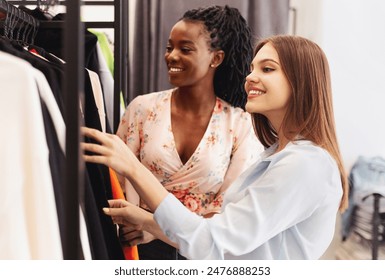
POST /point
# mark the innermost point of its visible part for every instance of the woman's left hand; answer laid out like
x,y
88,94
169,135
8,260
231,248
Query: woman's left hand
x,y
124,213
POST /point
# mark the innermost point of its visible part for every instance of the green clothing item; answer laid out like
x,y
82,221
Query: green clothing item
x,y
106,49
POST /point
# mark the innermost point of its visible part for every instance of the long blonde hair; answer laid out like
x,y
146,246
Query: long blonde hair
x,y
311,108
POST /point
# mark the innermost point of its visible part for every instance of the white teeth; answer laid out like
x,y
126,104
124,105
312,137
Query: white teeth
x,y
256,92
173,69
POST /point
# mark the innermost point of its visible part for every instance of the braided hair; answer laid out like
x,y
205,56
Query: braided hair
x,y
229,32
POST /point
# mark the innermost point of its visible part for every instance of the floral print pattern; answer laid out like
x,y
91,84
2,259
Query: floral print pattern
x,y
227,148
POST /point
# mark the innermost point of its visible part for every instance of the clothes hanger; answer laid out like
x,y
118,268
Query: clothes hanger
x,y
18,26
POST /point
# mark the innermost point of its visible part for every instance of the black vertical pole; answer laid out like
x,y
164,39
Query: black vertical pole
x,y
117,62
125,39
73,93
375,225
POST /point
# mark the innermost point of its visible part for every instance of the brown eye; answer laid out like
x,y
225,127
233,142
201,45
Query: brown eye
x,y
185,50
267,69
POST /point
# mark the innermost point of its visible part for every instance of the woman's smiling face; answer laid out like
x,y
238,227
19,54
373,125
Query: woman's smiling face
x,y
188,55
267,86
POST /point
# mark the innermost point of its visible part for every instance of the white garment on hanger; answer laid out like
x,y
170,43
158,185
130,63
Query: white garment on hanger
x,y
98,96
107,82
30,228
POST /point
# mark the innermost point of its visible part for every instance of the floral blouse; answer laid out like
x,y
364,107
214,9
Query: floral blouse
x,y
227,148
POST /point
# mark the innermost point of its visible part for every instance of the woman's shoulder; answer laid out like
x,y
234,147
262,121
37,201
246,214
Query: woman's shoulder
x,y
307,165
229,110
307,156
151,99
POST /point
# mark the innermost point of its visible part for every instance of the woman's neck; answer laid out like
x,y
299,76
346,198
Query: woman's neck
x,y
194,100
281,144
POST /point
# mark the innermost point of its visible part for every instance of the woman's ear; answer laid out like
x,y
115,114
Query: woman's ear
x,y
218,58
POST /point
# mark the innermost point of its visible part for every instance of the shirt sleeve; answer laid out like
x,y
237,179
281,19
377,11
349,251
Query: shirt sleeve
x,y
130,126
267,205
245,151
130,131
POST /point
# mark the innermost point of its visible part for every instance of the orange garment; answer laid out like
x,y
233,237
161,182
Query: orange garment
x,y
130,253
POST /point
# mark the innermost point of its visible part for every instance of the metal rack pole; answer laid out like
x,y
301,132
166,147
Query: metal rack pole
x,y
117,62
124,46
73,93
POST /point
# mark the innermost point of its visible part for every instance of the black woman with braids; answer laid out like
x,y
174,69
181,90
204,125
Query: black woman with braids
x,y
196,137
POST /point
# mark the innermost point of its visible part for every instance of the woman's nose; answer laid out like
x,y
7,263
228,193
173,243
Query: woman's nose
x,y
252,78
172,56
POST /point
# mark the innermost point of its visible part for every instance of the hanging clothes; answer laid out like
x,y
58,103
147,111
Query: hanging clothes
x,y
98,234
28,210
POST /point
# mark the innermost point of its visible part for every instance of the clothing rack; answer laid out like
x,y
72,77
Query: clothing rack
x,y
5,7
15,18
121,28
73,91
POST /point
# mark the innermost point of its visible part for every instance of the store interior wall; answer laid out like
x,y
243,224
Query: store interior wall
x,y
351,34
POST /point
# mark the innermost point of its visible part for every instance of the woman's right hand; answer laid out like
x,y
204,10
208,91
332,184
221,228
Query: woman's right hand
x,y
109,150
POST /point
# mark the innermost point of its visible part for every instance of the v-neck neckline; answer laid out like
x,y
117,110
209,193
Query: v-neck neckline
x,y
204,134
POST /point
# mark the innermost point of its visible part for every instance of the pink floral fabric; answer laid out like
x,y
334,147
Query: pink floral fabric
x,y
227,148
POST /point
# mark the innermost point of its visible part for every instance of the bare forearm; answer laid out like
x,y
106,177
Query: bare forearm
x,y
146,185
